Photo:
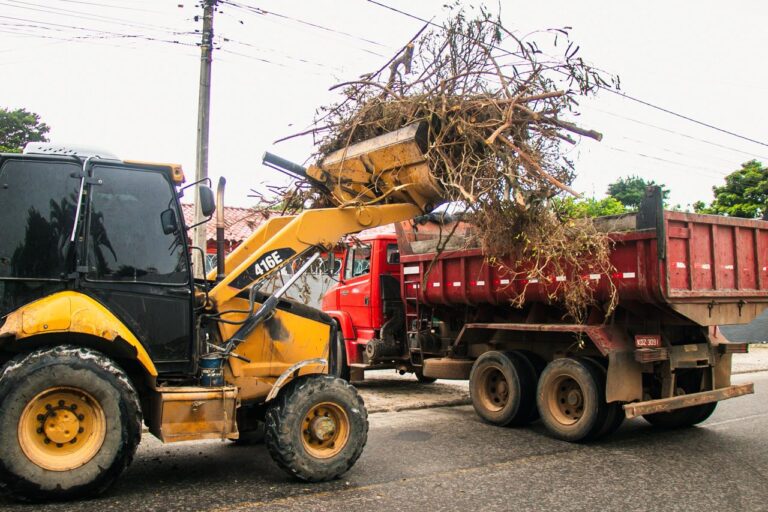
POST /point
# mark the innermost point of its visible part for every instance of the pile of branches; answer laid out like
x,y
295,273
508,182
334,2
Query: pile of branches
x,y
501,113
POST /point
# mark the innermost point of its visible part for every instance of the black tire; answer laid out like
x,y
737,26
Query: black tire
x,y
502,388
288,431
615,416
687,382
537,365
250,426
571,400
419,372
113,426
337,364
681,418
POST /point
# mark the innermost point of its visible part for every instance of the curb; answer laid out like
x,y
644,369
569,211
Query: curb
x,y
414,407
752,370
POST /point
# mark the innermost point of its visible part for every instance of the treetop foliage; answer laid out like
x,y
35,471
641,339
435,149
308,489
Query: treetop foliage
x,y
630,191
745,193
19,126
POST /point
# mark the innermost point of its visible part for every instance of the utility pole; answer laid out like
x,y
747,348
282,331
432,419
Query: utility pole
x,y
203,111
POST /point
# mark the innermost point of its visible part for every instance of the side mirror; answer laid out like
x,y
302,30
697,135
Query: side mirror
x,y
207,201
168,221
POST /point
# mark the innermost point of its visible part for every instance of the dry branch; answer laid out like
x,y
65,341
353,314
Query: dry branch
x,y
499,108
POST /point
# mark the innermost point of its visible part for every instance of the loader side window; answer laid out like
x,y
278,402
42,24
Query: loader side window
x,y
126,241
37,210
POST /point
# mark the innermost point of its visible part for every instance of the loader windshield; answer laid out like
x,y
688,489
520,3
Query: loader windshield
x,y
126,241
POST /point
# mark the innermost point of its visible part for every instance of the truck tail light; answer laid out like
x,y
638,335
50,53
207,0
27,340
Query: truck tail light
x,y
733,348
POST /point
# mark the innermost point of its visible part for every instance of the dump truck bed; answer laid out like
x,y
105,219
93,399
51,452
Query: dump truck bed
x,y
711,269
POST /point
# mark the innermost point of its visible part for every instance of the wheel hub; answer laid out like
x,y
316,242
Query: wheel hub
x,y
574,398
493,389
61,425
61,429
565,400
322,428
325,430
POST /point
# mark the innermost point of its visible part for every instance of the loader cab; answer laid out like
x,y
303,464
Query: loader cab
x,y
110,229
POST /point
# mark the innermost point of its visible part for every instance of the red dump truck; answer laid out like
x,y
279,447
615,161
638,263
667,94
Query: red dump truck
x,y
659,355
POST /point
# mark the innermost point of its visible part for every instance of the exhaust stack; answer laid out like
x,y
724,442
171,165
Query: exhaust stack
x,y
220,272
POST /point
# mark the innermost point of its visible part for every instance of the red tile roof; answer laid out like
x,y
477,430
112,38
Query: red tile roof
x,y
239,222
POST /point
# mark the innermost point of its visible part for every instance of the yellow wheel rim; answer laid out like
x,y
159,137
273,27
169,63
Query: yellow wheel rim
x,y
325,430
492,389
565,400
62,429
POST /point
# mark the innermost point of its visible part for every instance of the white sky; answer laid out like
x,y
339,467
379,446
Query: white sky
x,y
138,98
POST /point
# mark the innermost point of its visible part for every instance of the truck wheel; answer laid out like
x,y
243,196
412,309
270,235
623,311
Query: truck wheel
x,y
615,415
422,378
338,366
70,422
537,364
316,428
501,386
571,400
681,418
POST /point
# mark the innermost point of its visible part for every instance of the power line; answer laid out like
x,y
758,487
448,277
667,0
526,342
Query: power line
x,y
263,12
667,130
267,61
643,102
412,16
109,6
682,116
19,4
92,33
706,171
645,143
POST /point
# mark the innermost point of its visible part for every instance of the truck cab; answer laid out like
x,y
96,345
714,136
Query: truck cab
x,y
367,306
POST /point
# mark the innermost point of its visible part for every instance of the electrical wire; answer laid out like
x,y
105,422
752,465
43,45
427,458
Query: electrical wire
x,y
682,116
667,130
264,12
109,6
619,93
19,4
714,173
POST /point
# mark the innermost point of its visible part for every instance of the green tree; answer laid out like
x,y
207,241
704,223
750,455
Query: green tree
x,y
574,208
745,193
17,127
630,191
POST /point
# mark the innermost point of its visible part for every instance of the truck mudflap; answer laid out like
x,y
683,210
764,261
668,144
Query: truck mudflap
x,y
632,410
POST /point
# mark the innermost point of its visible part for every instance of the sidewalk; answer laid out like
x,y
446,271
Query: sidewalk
x,y
387,391
755,361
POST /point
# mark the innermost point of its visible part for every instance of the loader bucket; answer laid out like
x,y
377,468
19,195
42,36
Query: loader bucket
x,y
390,168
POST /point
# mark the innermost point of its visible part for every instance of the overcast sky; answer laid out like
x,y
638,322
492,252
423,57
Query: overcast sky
x,y
107,73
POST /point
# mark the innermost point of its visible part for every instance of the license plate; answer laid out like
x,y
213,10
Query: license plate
x,y
647,340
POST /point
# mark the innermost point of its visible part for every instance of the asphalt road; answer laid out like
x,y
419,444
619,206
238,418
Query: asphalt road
x,y
446,459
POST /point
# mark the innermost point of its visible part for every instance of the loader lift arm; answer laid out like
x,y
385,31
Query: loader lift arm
x,y
311,230
389,174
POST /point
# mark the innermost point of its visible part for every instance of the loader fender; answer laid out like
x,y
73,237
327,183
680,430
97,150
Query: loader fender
x,y
72,312
291,373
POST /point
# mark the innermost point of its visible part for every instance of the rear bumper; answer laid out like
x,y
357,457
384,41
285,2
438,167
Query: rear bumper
x,y
635,409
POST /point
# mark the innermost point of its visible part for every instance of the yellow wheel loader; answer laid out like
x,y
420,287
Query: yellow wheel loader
x,y
103,326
